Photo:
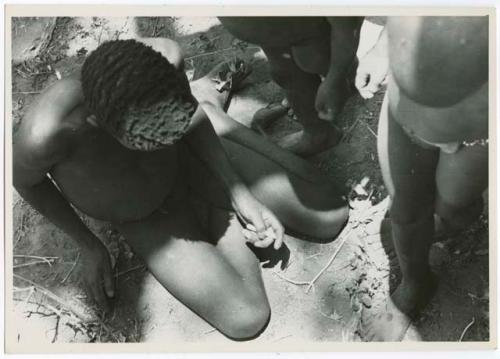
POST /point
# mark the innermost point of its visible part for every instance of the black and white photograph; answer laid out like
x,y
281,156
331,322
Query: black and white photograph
x,y
266,180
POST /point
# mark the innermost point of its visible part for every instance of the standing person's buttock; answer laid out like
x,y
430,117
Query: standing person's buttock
x,y
273,31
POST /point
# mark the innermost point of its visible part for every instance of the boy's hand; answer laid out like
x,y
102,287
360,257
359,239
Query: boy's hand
x,y
262,226
97,274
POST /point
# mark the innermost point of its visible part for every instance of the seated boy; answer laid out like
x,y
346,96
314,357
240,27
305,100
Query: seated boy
x,y
128,143
433,148
300,50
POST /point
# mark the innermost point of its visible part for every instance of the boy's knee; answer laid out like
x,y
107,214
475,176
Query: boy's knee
x,y
248,323
409,209
331,216
330,223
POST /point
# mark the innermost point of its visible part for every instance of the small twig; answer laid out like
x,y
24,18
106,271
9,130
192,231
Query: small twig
x,y
48,260
371,131
26,93
467,328
348,132
209,331
52,296
28,264
320,253
72,268
17,289
216,52
129,270
330,261
154,27
56,329
28,297
62,303
208,53
291,280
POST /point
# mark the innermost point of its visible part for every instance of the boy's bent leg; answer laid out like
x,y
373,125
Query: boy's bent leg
x,y
410,173
461,179
312,208
302,197
226,292
301,88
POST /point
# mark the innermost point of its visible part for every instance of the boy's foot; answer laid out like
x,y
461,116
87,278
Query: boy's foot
x,y
392,321
218,85
307,144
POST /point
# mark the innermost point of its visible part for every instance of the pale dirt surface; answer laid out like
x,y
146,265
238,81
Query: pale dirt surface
x,y
50,304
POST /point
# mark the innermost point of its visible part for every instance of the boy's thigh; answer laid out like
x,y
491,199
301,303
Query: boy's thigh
x,y
462,176
210,278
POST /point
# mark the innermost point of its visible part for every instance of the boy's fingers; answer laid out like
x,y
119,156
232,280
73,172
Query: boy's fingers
x,y
250,235
257,224
278,230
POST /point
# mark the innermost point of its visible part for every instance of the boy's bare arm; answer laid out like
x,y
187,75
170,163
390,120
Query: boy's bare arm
x,y
206,145
438,61
39,145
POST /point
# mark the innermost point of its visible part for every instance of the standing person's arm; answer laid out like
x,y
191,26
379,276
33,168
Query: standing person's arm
x,y
34,156
344,40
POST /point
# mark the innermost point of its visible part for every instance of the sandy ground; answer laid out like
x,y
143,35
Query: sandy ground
x,y
355,271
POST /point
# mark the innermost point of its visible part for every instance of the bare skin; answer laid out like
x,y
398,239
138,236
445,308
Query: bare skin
x,y
425,166
299,52
176,205
373,67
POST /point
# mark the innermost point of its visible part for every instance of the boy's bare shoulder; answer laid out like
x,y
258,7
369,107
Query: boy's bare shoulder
x,y
49,126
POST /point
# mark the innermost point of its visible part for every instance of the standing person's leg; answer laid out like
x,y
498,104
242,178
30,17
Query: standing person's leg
x,y
461,179
409,173
300,88
208,266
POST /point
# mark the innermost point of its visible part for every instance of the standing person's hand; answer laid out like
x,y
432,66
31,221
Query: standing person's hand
x,y
373,68
95,265
331,96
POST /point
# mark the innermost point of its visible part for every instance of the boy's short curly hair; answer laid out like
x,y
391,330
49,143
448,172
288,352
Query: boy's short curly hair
x,y
137,94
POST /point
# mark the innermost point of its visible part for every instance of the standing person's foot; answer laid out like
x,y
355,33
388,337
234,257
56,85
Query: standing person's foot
x,y
391,322
307,143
